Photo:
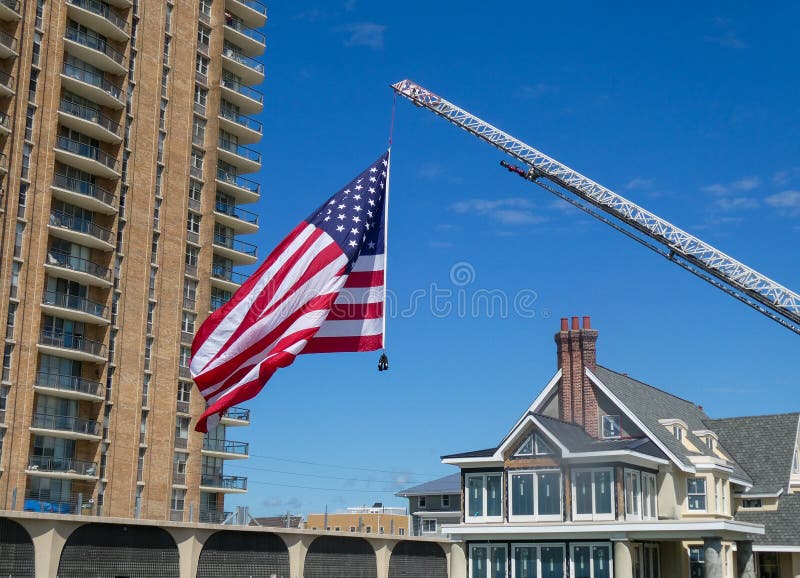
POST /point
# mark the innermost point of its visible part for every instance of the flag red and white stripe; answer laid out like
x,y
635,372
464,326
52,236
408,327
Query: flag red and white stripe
x,y
321,290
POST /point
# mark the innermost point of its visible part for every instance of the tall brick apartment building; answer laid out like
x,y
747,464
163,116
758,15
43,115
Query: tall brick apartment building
x,y
124,135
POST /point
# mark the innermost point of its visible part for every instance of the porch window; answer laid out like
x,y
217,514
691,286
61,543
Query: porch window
x,y
696,492
592,492
538,560
485,500
487,561
645,561
649,497
768,565
697,562
535,495
591,561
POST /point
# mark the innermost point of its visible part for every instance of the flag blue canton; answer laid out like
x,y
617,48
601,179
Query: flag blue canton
x,y
354,216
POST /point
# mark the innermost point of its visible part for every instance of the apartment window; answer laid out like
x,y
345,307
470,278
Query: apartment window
x,y
151,309
167,40
611,428
3,399
179,462
198,131
203,37
178,500
487,561
428,526
16,267
195,190
197,160
591,560
697,562
8,351
423,501
159,180
39,14
32,85
182,427
219,297
11,320
593,494
535,495
185,356
200,99
192,254
168,22
140,465
401,531
205,7
201,65
153,273
368,529
193,222
696,493
485,500
184,391
189,293
164,82
29,122
445,501
19,235
188,322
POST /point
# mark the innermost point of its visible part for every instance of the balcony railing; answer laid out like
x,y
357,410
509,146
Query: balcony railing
x,y
90,114
238,181
73,341
73,223
91,77
224,482
225,446
254,5
242,89
96,43
6,80
232,210
213,516
88,151
75,303
13,4
242,120
237,413
181,443
3,162
53,502
183,371
182,407
77,264
102,9
5,121
7,40
243,59
252,33
176,515
62,465
86,188
235,244
65,423
220,272
239,150
69,383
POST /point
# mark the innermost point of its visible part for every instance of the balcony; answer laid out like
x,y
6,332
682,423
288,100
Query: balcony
x,y
247,129
62,468
65,426
214,516
3,165
69,386
5,124
86,158
88,121
246,160
84,194
72,346
226,279
74,308
9,10
239,252
95,87
249,100
8,45
81,231
225,449
238,219
223,484
98,16
95,50
242,189
236,416
251,41
252,12
66,266
249,70
52,502
6,84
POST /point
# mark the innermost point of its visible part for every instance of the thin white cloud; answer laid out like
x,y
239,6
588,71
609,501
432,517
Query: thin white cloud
x,y
736,203
364,34
787,202
746,183
639,183
715,189
508,211
783,178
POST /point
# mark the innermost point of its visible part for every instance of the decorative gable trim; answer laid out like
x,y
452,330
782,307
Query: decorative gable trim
x,y
623,408
543,396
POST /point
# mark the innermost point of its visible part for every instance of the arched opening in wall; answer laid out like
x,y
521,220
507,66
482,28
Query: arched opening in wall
x,y
16,550
334,557
118,550
243,555
417,560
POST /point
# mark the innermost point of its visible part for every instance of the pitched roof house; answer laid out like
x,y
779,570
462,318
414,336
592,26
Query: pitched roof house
x,y
604,475
434,503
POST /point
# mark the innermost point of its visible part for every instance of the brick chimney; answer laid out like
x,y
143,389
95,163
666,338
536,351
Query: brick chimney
x,y
577,350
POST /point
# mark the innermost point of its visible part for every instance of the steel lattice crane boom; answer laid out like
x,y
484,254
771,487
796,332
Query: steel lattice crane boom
x,y
724,272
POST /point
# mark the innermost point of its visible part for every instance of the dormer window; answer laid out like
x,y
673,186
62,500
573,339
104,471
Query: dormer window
x,y
796,461
677,431
710,443
676,427
611,428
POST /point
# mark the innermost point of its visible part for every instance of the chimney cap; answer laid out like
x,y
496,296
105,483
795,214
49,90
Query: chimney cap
x,y
587,322
564,324
575,324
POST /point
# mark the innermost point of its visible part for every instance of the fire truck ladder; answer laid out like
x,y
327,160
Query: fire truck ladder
x,y
734,278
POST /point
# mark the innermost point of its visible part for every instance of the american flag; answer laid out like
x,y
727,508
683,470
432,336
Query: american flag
x,y
321,290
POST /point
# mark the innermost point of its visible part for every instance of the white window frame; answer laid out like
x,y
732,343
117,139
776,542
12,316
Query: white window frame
x,y
603,427
484,518
538,547
536,516
704,494
593,515
637,496
429,521
592,545
489,547
645,489
548,452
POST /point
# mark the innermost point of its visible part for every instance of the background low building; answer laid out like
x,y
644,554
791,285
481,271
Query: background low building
x,y
375,519
433,504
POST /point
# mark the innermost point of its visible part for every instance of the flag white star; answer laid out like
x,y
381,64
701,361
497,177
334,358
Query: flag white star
x,y
372,179
372,189
341,217
357,208
356,219
356,197
373,170
340,228
371,245
327,219
340,207
369,214
359,187
354,231
353,243
371,202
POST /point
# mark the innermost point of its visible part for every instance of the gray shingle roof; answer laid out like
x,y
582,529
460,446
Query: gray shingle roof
x,y
447,485
782,527
762,444
475,454
651,404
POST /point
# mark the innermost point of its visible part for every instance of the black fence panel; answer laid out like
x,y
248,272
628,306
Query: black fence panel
x,y
417,560
334,557
16,550
243,555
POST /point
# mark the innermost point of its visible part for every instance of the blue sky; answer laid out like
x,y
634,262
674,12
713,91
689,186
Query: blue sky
x,y
689,109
